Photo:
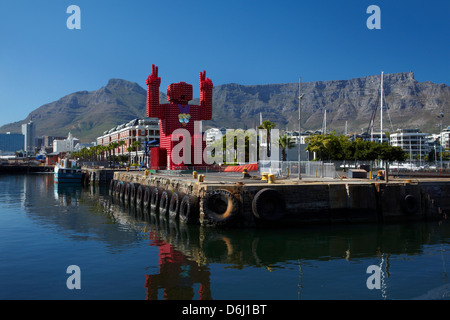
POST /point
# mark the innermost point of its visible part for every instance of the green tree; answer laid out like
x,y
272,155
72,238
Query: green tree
x,y
266,124
240,135
285,142
113,146
329,146
334,147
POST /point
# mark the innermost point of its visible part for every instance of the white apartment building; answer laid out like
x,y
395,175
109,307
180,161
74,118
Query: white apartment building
x,y
143,130
66,145
412,141
445,137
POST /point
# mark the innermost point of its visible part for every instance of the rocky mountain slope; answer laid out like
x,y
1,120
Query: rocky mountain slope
x,y
410,104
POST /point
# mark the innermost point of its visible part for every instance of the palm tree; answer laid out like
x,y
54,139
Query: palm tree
x,y
113,146
266,124
136,145
121,143
103,151
129,149
285,142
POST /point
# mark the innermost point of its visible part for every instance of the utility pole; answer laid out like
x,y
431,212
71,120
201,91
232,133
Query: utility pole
x,y
440,116
381,108
300,96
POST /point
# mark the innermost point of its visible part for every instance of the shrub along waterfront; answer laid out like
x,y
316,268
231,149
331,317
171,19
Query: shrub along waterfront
x,y
339,147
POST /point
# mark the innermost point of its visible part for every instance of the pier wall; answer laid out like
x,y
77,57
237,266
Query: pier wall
x,y
97,176
254,203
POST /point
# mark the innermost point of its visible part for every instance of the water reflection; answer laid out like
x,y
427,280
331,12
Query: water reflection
x,y
67,194
189,255
186,251
177,274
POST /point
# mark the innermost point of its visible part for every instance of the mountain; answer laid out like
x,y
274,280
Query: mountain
x,y
88,114
410,104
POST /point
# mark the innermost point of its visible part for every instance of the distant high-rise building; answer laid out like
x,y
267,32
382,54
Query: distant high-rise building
x,y
29,132
11,142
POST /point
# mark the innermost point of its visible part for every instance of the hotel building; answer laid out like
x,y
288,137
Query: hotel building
x,y
143,130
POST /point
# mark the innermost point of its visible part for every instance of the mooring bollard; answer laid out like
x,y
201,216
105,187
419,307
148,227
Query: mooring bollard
x,y
194,174
201,177
264,176
146,172
271,178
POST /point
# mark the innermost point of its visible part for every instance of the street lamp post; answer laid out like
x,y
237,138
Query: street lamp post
x,y
440,116
300,96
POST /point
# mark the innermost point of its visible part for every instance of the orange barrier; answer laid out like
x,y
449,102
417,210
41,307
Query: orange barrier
x,y
249,167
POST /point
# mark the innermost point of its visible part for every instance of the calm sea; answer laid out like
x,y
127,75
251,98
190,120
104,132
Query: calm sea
x,y
122,253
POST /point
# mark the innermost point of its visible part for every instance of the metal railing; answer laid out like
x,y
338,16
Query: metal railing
x,y
307,168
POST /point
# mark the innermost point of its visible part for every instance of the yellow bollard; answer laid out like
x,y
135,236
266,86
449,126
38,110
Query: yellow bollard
x,y
128,169
287,172
341,177
316,173
194,174
201,177
264,176
370,175
146,172
271,178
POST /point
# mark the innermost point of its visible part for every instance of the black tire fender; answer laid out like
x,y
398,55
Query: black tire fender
x,y
140,195
220,207
164,203
189,210
174,205
410,205
268,204
147,196
117,188
133,192
155,198
123,186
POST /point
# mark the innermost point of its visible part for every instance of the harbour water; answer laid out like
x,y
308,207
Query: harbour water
x,y
124,253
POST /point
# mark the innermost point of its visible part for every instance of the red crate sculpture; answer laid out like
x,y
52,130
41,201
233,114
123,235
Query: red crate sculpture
x,y
178,114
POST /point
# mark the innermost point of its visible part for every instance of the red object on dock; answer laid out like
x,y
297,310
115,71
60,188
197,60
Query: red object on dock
x,y
178,114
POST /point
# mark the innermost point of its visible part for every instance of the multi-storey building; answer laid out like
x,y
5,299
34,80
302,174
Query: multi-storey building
x,y
11,142
29,132
445,138
142,130
65,145
412,141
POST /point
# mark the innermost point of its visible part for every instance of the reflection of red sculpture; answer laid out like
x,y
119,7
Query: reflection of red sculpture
x,y
177,274
177,114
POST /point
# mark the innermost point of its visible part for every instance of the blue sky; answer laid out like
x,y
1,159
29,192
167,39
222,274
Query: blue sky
x,y
244,41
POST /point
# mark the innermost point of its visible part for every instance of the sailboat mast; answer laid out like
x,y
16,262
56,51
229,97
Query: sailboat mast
x,y
300,96
381,108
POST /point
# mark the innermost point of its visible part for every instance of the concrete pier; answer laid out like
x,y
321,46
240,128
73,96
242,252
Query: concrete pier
x,y
232,200
97,175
